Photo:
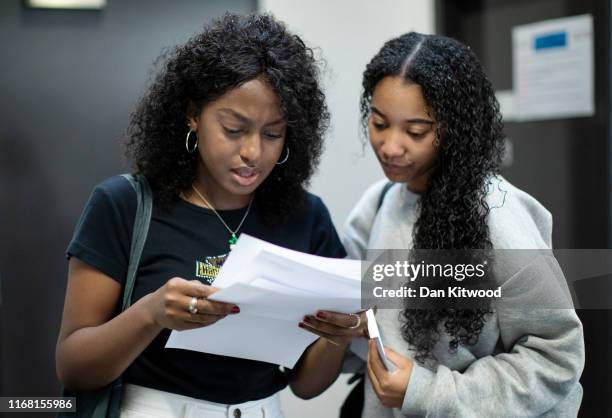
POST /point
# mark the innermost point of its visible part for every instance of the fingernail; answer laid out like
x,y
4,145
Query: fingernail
x,y
307,320
301,325
321,315
235,309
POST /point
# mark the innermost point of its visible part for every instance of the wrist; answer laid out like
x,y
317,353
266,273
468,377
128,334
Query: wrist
x,y
335,346
148,313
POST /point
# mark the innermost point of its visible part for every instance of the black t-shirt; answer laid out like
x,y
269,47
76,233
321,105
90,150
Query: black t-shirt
x,y
190,242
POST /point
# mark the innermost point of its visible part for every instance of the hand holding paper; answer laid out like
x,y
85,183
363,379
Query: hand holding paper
x,y
167,308
275,288
339,328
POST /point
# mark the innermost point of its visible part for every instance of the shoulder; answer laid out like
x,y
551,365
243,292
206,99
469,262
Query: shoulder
x,y
312,200
367,204
116,188
516,219
373,193
324,238
113,198
360,220
117,192
314,206
103,233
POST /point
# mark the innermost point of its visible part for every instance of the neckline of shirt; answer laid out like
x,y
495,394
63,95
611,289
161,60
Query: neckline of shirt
x,y
207,211
408,197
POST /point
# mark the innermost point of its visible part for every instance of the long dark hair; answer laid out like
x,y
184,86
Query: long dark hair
x,y
229,52
453,210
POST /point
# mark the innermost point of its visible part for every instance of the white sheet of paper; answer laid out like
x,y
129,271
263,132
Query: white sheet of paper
x,y
248,247
553,68
263,302
274,288
276,268
249,337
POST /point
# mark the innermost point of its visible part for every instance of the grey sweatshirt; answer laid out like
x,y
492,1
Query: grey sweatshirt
x,y
526,362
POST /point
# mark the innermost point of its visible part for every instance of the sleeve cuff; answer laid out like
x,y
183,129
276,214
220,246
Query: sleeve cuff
x,y
418,391
96,260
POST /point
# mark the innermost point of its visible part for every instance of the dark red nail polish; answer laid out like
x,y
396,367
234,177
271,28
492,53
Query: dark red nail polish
x,y
307,319
301,325
235,309
321,315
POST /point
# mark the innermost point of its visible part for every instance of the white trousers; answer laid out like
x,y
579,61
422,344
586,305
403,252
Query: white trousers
x,y
141,402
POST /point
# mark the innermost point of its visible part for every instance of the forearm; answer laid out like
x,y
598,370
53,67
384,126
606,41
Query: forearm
x,y
317,369
92,357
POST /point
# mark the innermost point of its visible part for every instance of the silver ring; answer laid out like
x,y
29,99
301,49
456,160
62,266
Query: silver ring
x,y
193,305
358,321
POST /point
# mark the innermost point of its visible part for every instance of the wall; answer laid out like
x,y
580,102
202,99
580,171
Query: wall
x,y
348,34
69,80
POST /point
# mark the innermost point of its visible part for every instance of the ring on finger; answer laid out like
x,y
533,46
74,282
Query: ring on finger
x,y
193,305
358,321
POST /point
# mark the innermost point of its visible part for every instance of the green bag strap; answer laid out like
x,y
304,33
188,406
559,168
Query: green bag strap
x,y
142,220
105,402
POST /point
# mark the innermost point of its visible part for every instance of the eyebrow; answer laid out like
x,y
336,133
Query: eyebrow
x,y
244,119
411,120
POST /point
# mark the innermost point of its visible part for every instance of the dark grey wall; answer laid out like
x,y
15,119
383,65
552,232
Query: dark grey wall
x,y
68,80
565,163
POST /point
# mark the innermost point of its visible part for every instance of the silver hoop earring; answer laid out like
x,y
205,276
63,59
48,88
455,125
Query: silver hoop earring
x,y
436,141
192,150
284,159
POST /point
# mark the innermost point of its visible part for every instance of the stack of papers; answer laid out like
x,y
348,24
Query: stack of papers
x,y
275,288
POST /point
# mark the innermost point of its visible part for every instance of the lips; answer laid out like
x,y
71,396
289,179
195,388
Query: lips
x,y
245,176
245,171
393,168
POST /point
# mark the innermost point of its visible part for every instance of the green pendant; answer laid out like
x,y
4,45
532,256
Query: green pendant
x,y
232,240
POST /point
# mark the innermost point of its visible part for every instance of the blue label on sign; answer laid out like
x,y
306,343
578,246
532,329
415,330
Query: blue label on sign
x,y
553,40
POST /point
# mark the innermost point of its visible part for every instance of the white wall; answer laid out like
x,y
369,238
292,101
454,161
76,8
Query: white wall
x,y
348,33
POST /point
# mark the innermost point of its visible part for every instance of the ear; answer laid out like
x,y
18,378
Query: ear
x,y
192,123
192,116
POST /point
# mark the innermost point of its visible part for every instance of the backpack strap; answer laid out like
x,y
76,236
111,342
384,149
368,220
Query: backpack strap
x,y
142,220
382,194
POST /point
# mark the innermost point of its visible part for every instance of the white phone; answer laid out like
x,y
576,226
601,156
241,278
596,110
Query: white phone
x,y
375,335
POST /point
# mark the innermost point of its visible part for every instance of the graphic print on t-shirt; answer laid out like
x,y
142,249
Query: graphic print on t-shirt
x,y
209,268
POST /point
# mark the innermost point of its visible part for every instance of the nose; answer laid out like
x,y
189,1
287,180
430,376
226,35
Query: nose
x,y
250,150
393,145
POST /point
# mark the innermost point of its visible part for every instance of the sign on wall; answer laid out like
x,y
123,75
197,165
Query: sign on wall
x,y
553,69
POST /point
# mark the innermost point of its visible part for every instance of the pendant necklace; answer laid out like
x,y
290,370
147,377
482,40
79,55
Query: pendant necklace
x,y
233,237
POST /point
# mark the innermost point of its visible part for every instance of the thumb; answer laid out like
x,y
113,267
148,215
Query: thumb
x,y
397,359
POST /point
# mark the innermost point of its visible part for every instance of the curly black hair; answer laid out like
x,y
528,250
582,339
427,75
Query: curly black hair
x,y
453,210
232,50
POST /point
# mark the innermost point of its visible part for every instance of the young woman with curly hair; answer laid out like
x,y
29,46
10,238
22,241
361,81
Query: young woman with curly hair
x,y
227,136
433,122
